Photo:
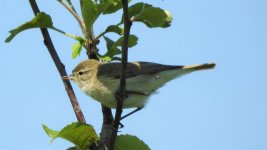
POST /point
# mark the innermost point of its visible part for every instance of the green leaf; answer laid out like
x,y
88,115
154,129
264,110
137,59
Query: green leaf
x,y
76,49
151,16
115,29
112,48
82,135
168,19
114,6
137,9
80,39
109,1
129,142
109,43
41,20
90,13
91,10
51,133
132,41
104,4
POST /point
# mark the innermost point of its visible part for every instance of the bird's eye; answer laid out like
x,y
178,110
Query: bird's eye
x,y
80,73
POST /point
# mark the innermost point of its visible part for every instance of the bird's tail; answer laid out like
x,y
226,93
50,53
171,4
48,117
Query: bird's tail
x,y
199,67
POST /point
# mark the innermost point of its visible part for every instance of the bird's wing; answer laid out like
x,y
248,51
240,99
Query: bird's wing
x,y
113,70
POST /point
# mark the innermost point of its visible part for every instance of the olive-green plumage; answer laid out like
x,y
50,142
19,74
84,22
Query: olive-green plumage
x,y
101,80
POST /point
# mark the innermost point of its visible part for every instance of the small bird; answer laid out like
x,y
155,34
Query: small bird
x,y
101,80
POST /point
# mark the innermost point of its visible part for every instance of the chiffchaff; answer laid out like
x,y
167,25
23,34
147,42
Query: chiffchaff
x,y
102,80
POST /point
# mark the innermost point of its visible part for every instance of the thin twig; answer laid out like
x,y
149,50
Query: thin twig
x,y
107,113
72,7
60,67
106,129
100,35
122,91
65,33
75,15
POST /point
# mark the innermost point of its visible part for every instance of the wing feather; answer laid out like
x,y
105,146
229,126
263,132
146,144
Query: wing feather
x,y
113,70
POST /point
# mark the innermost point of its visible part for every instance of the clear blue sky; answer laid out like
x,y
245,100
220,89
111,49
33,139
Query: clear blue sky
x,y
222,109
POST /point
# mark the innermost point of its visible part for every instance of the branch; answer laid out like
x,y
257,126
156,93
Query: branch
x,y
122,91
99,36
72,7
65,33
75,15
60,67
107,114
89,47
106,129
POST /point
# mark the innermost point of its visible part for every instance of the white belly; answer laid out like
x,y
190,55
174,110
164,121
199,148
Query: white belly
x,y
104,89
105,95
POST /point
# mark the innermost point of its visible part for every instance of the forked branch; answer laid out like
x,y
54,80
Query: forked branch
x,y
122,92
60,67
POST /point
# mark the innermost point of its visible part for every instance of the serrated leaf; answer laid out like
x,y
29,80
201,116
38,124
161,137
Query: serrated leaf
x,y
129,142
76,49
90,13
82,135
115,29
51,133
137,9
91,10
151,16
41,20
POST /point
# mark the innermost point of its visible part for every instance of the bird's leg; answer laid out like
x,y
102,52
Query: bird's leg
x,y
137,109
134,111
127,115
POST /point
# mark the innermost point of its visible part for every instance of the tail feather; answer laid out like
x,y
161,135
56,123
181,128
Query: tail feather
x,y
200,67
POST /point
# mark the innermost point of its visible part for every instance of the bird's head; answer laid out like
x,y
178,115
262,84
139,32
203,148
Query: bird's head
x,y
83,72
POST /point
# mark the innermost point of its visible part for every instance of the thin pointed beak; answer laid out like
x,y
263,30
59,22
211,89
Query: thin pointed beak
x,y
70,77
